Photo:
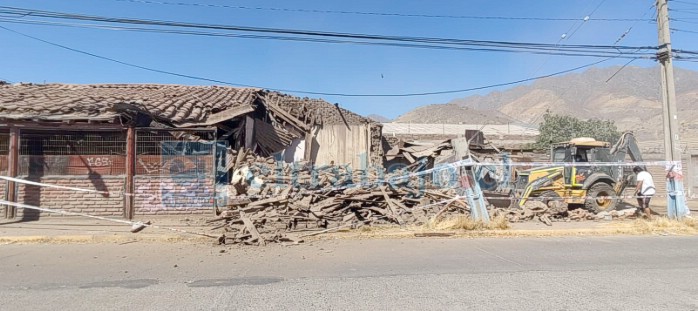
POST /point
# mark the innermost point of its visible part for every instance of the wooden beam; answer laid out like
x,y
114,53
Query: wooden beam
x,y
13,170
283,114
129,202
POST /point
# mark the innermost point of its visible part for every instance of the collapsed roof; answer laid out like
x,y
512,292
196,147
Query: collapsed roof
x,y
177,105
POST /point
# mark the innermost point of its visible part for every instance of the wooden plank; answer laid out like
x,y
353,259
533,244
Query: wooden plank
x,y
249,225
283,114
391,205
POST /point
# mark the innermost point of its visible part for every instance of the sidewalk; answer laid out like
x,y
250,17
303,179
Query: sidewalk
x,y
58,230
69,229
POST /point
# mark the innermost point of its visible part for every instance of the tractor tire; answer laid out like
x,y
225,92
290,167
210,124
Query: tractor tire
x,y
598,198
552,200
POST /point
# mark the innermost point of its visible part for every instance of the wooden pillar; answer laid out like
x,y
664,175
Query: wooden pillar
x,y
129,207
12,171
309,146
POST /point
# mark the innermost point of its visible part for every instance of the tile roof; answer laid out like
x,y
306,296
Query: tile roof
x,y
176,103
315,111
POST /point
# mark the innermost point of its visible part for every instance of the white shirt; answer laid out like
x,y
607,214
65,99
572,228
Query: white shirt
x,y
647,183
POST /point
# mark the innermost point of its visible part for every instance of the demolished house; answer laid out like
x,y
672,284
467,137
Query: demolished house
x,y
160,149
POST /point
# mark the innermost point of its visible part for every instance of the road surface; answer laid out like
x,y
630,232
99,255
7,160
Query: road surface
x,y
600,273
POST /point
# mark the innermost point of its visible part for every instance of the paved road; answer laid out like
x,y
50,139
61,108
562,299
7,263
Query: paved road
x,y
610,273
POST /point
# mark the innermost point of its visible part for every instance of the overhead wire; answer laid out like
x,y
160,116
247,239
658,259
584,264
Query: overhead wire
x,y
542,51
301,91
684,2
391,14
482,45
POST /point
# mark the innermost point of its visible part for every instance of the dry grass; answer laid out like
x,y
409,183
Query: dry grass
x,y
665,225
468,224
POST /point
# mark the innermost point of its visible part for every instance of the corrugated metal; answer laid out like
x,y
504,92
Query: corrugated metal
x,y
342,144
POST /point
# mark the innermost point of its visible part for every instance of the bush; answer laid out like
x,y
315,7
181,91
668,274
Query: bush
x,y
559,128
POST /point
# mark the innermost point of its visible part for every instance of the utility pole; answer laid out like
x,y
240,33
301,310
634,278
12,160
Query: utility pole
x,y
664,55
676,201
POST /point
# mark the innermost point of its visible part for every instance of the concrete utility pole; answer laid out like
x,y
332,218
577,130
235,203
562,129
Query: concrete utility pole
x,y
676,201
672,147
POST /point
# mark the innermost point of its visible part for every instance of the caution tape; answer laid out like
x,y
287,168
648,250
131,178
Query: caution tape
x,y
131,223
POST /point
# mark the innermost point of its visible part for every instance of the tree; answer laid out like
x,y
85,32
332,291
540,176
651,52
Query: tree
x,y
559,128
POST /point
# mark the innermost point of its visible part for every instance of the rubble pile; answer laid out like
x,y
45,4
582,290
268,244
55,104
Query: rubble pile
x,y
553,212
271,201
292,214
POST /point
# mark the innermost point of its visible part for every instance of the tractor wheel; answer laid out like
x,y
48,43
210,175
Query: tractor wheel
x,y
552,200
601,198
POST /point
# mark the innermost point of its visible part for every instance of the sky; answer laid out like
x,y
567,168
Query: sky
x,y
332,68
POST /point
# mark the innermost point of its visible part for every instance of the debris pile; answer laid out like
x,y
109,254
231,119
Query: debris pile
x,y
555,212
271,201
292,215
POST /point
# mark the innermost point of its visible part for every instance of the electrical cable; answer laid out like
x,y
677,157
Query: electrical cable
x,y
302,91
370,13
336,35
544,51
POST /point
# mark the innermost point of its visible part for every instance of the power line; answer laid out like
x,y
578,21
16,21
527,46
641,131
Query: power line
x,y
370,13
337,37
542,50
490,43
301,91
684,2
682,30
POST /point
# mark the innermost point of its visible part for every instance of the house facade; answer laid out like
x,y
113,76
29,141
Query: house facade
x,y
143,149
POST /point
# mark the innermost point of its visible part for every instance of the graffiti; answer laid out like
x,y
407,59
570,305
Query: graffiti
x,y
99,161
174,193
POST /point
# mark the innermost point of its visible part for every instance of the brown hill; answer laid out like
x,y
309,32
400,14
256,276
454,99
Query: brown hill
x,y
453,114
631,98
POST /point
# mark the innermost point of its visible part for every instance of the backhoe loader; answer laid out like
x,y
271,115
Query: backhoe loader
x,y
587,175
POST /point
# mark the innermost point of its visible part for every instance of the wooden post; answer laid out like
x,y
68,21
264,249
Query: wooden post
x,y
12,170
308,146
129,207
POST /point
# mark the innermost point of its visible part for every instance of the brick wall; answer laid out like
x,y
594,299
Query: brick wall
x,y
70,200
164,195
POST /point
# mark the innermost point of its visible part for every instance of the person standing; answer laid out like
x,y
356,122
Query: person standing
x,y
644,189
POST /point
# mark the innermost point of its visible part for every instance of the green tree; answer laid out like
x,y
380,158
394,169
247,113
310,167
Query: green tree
x,y
559,128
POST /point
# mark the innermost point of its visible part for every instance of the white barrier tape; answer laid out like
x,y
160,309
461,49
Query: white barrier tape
x,y
449,166
67,213
29,182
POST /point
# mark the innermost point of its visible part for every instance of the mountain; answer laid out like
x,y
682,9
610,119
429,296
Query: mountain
x,y
630,96
453,113
378,118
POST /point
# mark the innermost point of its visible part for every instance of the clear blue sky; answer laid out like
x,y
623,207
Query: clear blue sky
x,y
340,68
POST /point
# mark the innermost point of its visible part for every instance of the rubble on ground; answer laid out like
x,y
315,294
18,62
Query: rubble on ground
x,y
270,201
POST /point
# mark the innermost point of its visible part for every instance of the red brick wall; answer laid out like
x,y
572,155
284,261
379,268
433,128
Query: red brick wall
x,y
160,195
70,200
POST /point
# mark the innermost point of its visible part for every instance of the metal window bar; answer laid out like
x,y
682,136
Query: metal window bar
x,y
184,153
66,152
4,151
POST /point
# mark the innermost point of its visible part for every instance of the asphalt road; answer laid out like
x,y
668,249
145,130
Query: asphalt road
x,y
605,273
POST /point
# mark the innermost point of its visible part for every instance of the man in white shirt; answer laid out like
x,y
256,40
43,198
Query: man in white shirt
x,y
644,190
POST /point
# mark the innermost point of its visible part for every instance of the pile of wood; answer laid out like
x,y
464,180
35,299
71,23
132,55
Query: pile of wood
x,y
293,214
269,201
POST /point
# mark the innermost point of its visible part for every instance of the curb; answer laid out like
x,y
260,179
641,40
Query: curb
x,y
97,239
379,234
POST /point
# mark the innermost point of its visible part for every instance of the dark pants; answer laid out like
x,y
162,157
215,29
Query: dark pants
x,y
644,201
